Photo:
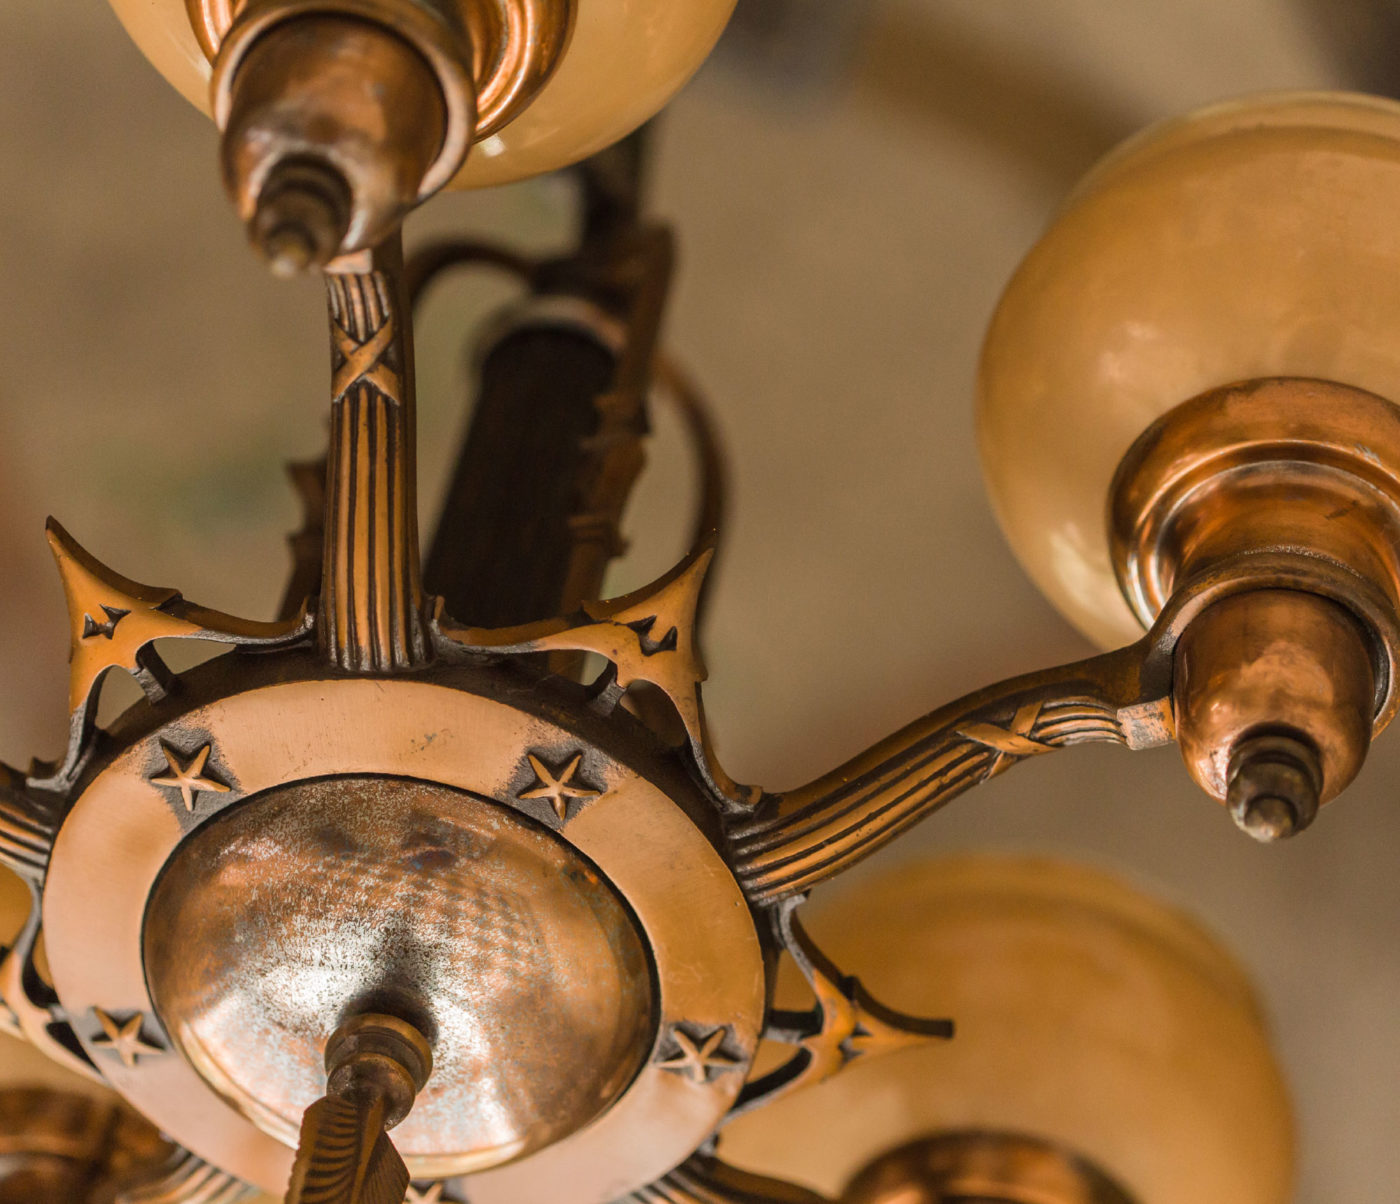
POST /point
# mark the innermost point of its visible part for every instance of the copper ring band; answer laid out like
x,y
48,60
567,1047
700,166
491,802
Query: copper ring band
x,y
1308,574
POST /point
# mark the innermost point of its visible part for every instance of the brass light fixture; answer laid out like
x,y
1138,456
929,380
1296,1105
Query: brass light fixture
x,y
391,902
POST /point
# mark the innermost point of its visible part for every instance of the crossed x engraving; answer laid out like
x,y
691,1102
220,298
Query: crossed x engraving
x,y
1011,743
364,362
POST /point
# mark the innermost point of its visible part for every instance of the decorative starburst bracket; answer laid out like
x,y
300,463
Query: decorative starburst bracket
x,y
845,1023
647,636
806,836
115,623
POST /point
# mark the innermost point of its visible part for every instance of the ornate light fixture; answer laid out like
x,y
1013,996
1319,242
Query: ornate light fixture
x,y
396,863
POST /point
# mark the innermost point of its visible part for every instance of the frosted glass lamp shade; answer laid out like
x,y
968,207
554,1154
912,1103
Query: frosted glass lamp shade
x,y
625,60
1088,1016
1257,238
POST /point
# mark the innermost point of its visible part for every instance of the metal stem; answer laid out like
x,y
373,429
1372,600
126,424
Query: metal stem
x,y
371,613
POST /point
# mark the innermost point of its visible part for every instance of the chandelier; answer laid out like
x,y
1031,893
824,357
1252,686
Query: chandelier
x,y
434,887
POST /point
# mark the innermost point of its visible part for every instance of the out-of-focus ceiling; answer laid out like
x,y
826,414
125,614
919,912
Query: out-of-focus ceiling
x,y
846,221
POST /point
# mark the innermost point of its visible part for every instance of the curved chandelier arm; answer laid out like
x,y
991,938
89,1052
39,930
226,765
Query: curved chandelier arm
x,y
704,1179
27,829
815,832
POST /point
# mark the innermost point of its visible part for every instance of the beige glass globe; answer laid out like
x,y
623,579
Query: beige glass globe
x,y
1088,1016
1252,239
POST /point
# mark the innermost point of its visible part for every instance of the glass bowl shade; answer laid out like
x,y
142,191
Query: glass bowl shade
x,y
1253,239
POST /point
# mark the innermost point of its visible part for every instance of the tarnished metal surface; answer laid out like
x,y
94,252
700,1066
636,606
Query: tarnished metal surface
x,y
323,898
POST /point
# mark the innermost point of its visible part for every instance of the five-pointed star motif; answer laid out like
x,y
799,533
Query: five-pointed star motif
x,y
189,779
698,1057
124,1038
557,785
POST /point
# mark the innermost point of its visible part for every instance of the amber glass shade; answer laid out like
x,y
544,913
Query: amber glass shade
x,y
1252,239
1088,1016
625,60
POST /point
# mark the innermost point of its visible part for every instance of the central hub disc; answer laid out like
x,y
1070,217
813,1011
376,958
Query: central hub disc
x,y
316,900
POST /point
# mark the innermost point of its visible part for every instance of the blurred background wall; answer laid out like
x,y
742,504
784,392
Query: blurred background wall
x,y
852,182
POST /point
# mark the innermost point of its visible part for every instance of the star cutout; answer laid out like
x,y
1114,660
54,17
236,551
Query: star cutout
x,y
698,1057
557,785
92,628
189,779
124,1039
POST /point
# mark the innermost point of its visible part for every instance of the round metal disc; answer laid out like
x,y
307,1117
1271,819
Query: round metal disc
x,y
564,793
321,899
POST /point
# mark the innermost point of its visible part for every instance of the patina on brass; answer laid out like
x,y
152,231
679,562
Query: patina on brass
x,y
339,115
1277,693
1275,702
982,1168
331,898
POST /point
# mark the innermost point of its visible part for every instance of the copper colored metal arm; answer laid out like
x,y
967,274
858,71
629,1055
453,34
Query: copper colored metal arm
x,y
27,829
371,616
704,1179
799,839
815,832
